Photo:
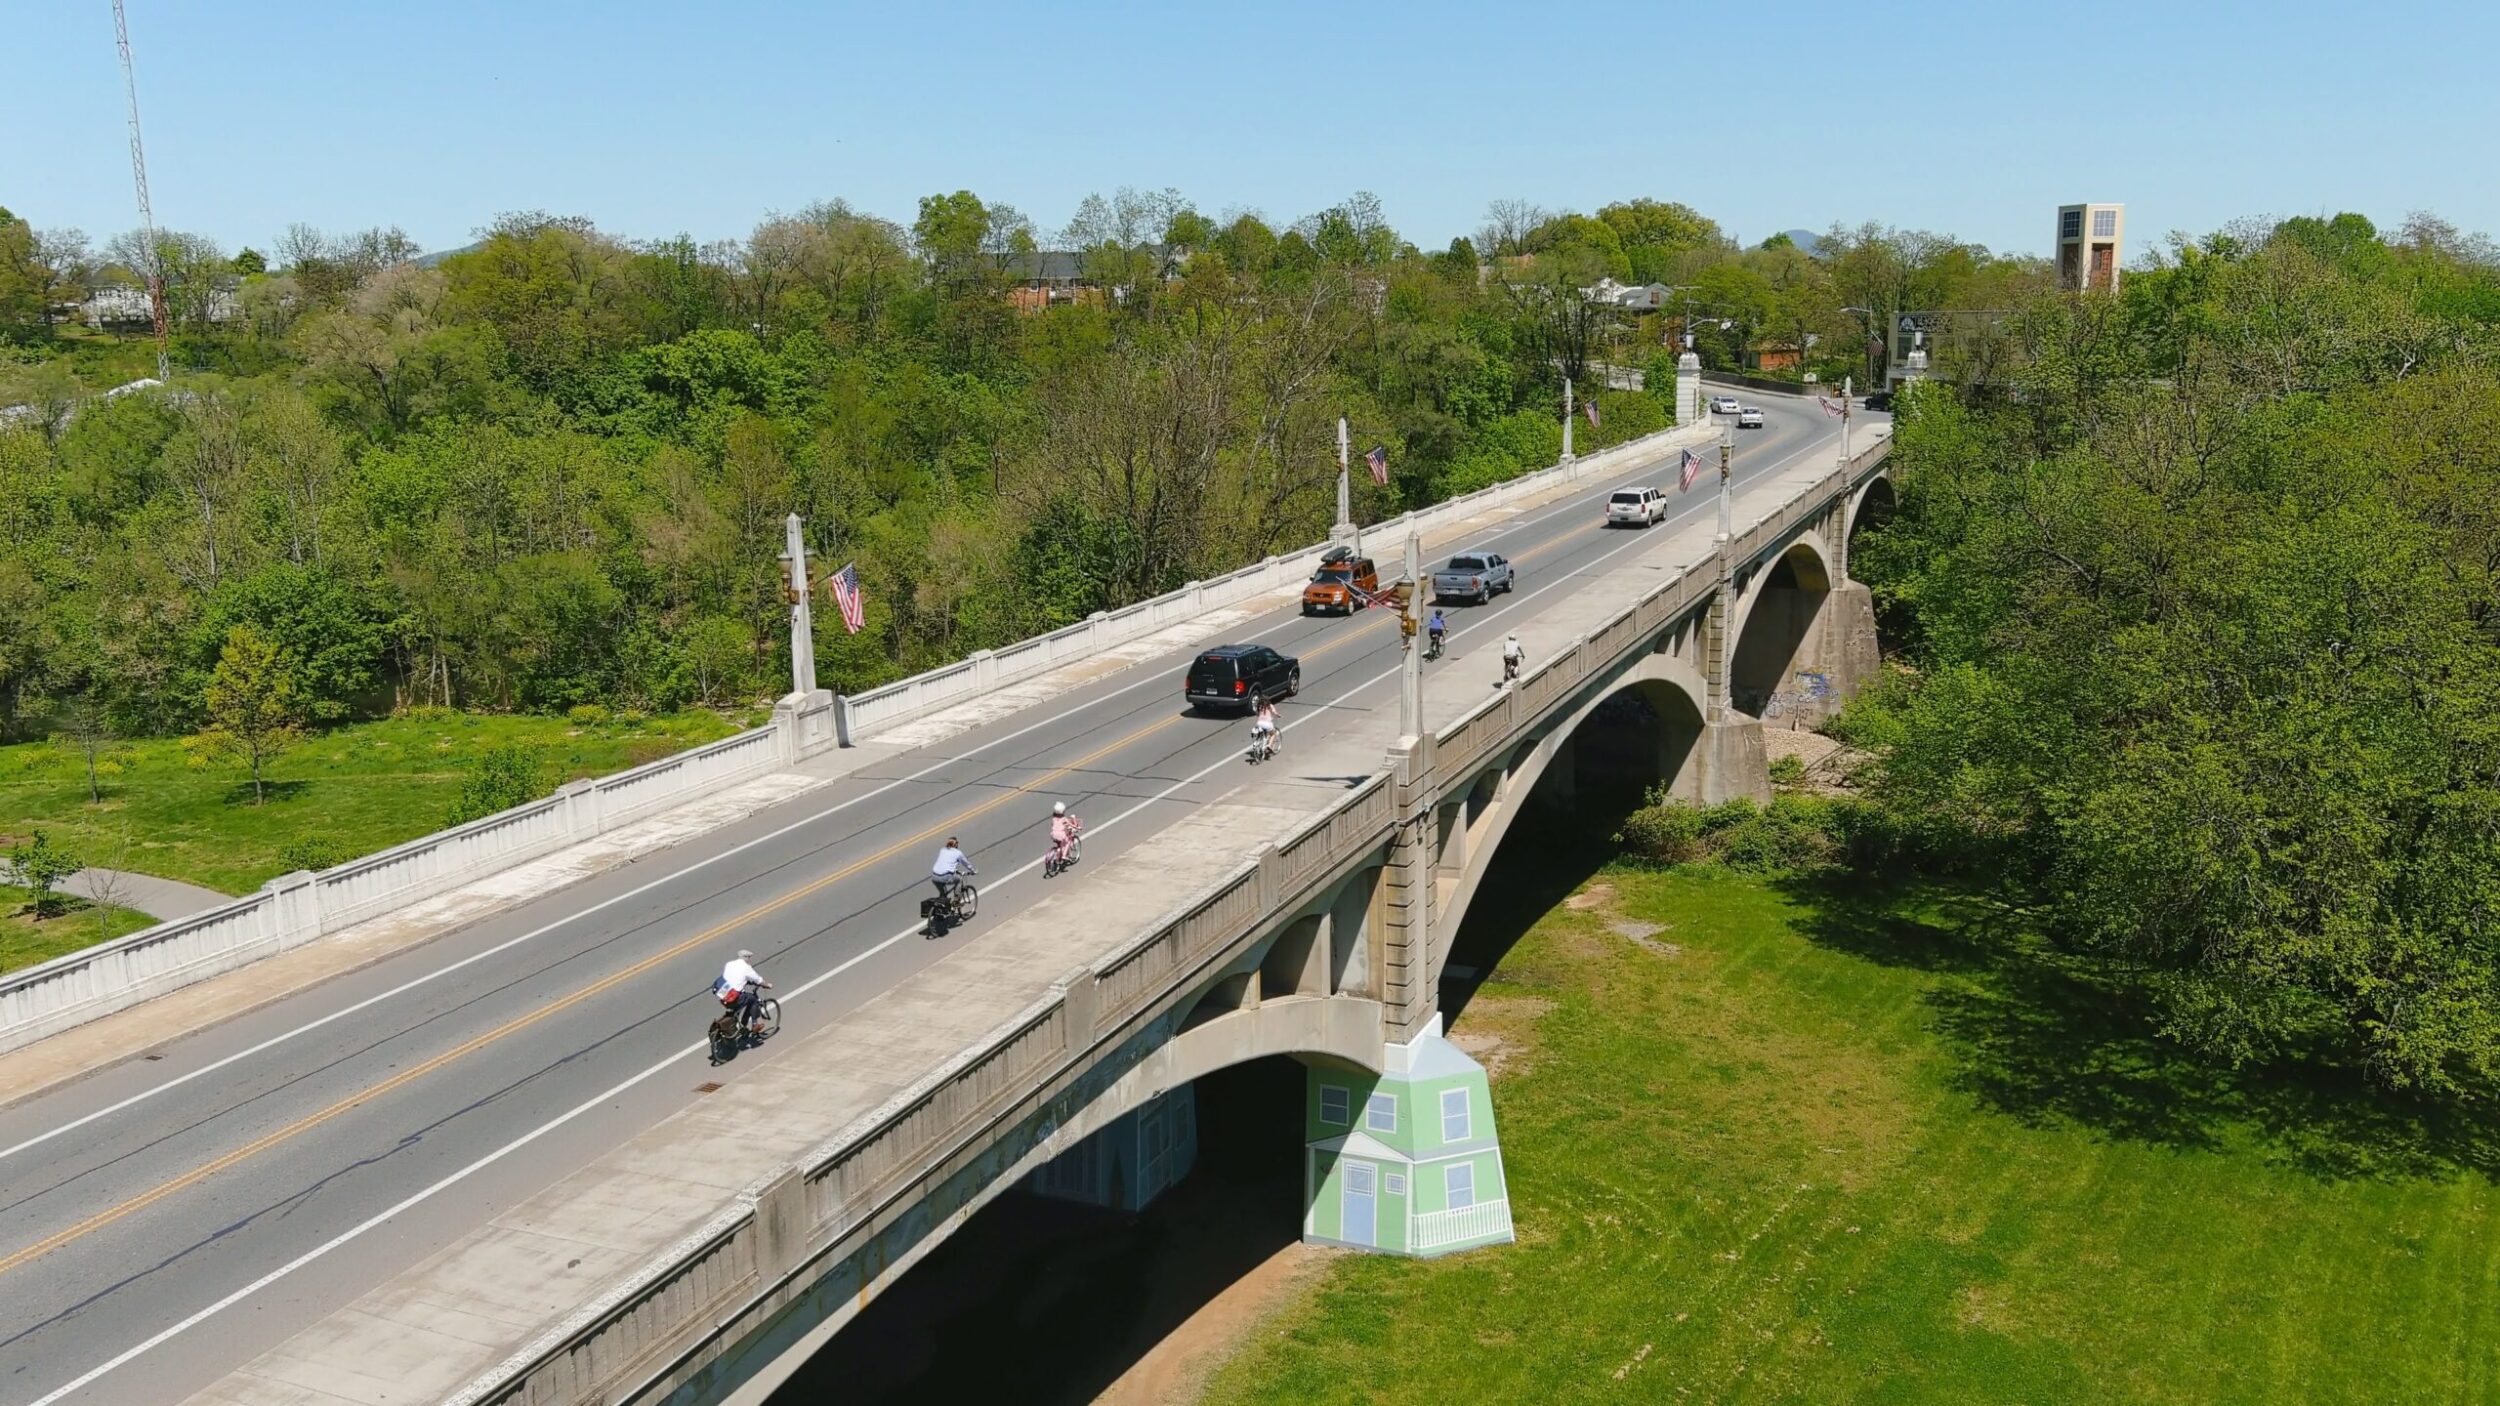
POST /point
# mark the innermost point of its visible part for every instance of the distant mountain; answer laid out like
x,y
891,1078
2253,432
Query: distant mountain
x,y
1807,241
427,261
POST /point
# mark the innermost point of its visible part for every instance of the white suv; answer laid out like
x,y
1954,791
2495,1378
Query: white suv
x,y
1749,418
1641,507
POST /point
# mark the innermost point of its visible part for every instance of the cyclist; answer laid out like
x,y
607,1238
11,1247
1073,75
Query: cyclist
x,y
1436,629
1513,658
739,981
947,873
1063,828
1263,728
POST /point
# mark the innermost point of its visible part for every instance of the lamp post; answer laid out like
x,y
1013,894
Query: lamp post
x,y
1727,475
802,620
1874,371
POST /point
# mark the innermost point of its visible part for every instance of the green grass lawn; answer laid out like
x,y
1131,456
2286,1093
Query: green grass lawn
x,y
1810,1147
25,941
356,789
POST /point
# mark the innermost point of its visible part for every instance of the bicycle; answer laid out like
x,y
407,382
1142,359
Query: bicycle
x,y
950,910
1432,646
727,1039
1262,746
1053,865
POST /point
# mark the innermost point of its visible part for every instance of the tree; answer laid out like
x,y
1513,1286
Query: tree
x,y
25,280
40,866
254,708
249,262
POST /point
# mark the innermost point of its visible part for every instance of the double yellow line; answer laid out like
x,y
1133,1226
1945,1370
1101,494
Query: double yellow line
x,y
711,934
400,1080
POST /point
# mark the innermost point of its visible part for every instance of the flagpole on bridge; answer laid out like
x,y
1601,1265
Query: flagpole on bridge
x,y
1566,417
1344,533
1727,509
1847,384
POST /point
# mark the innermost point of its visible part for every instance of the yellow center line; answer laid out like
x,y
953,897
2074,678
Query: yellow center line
x,y
314,1120
356,1100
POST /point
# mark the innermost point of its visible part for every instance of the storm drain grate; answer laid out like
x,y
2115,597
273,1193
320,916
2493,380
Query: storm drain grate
x,y
152,1057
711,1088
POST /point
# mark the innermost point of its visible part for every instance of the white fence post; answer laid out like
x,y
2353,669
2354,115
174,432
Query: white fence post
x,y
296,904
581,808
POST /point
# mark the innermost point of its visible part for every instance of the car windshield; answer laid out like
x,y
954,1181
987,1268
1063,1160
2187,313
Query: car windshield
x,y
1466,563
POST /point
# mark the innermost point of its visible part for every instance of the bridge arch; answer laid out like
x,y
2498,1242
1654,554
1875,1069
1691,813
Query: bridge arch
x,y
1644,728
1773,629
1871,506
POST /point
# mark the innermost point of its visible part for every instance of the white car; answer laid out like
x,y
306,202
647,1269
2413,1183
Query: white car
x,y
1749,418
1636,507
1723,405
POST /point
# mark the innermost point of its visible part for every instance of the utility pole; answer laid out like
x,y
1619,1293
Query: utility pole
x,y
1411,666
802,620
139,178
1566,418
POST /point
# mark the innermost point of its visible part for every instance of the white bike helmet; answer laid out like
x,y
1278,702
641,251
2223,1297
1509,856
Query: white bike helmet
x,y
1058,807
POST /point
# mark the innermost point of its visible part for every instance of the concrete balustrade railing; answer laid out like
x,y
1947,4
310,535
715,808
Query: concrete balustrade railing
x,y
297,908
730,1277
864,714
731,1274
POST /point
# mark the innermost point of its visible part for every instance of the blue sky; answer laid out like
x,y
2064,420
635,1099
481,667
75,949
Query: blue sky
x,y
1975,119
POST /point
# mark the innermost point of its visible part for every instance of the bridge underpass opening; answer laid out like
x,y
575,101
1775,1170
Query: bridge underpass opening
x,y
1875,512
1645,736
1775,667
1043,1299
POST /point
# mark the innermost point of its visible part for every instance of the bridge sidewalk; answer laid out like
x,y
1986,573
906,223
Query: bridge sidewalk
x,y
526,1276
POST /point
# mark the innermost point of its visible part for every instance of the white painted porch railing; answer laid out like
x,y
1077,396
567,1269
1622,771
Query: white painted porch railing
x,y
1434,1229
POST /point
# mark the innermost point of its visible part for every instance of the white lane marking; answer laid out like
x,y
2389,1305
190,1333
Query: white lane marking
x,y
420,1197
413,983
532,935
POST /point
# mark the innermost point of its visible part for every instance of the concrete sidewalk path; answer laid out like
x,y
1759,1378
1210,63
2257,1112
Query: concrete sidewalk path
x,y
161,899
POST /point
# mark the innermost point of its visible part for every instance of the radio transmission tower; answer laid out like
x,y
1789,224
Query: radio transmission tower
x,y
139,176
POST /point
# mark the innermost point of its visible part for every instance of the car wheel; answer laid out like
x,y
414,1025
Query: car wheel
x,y
1293,682
1256,698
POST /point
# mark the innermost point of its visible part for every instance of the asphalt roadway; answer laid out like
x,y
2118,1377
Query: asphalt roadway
x,y
166,1219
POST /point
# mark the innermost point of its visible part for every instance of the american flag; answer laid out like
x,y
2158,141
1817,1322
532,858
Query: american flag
x,y
1377,459
1591,407
1692,470
845,584
1830,406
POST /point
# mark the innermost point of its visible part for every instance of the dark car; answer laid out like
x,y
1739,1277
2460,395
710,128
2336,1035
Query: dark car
x,y
1239,676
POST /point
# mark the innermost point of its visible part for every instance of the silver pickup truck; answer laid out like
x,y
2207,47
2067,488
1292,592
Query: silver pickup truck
x,y
1475,576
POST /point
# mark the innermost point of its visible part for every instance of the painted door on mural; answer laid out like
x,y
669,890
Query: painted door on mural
x,y
1358,1228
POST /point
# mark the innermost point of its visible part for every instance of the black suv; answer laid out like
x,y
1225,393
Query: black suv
x,y
1239,676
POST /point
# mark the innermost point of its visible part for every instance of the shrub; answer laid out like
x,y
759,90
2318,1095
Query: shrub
x,y
590,715
41,866
1793,833
503,777
1788,770
1668,832
312,852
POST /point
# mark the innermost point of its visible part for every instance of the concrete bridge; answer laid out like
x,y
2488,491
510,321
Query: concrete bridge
x,y
625,1242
